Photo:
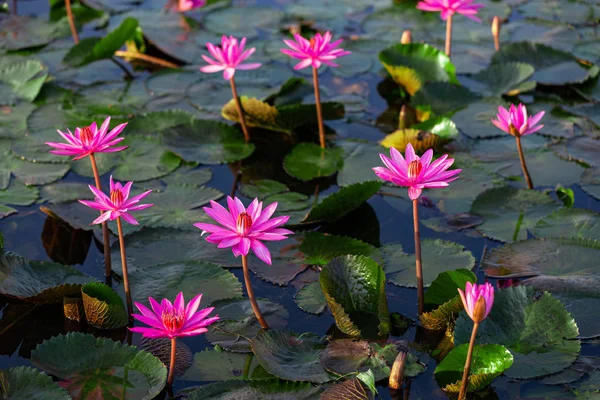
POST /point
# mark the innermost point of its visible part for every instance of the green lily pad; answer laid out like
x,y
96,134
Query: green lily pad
x,y
310,298
354,287
104,309
509,213
308,161
213,365
38,281
89,365
21,81
347,199
290,357
438,256
444,287
262,188
27,172
553,34
145,159
488,362
590,182
19,195
353,389
538,331
571,223
554,10
23,32
320,249
358,156
191,277
475,120
388,24
275,389
65,192
584,149
5,211
21,383
13,120
161,349
443,97
499,79
244,21
158,121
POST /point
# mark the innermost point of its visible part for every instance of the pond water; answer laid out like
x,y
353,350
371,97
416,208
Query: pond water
x,y
46,225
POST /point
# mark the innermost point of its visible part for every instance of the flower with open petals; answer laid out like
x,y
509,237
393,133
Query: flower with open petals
x,y
477,300
118,204
450,7
188,5
89,140
315,51
416,173
244,229
168,320
515,121
228,57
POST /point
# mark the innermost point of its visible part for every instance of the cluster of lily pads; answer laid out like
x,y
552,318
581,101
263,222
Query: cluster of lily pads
x,y
516,108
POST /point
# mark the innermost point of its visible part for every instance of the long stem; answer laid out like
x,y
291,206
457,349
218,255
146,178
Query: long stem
x,y
465,379
105,234
145,57
14,7
418,263
318,105
240,111
496,32
448,35
124,266
261,320
71,21
172,364
523,165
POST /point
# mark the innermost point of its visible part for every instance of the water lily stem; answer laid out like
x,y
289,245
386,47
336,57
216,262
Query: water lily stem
x,y
240,111
319,110
124,267
418,264
14,7
144,57
261,320
496,32
448,35
523,165
71,21
465,379
172,363
105,234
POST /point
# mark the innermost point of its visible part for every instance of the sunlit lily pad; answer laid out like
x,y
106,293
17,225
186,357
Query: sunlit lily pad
x,y
320,249
506,78
88,365
347,199
570,223
5,211
308,161
538,331
443,97
21,81
20,383
104,309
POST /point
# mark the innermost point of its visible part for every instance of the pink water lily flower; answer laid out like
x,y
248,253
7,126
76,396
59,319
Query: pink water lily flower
x,y
188,5
167,320
244,229
89,140
228,57
416,172
450,7
515,121
118,204
477,300
315,51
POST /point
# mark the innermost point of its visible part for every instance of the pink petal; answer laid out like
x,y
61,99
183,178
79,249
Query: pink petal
x,y
414,193
261,251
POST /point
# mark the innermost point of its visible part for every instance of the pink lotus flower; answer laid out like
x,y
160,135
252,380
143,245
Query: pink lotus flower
x,y
416,172
515,121
167,320
187,5
89,140
228,57
118,204
244,229
477,300
315,51
450,7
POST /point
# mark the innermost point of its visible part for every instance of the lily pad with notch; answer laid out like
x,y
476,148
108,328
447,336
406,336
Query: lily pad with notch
x,y
308,161
310,298
570,223
347,199
29,383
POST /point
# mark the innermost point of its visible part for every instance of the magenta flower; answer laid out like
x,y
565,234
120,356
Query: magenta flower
x,y
89,140
416,172
228,57
450,7
244,229
187,5
477,300
167,320
515,121
315,51
118,204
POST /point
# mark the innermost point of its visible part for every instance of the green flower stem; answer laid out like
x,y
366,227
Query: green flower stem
x,y
105,233
465,379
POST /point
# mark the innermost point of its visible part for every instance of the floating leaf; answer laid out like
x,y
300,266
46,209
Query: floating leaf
x,y
488,362
310,298
419,139
19,195
442,317
347,199
104,309
27,172
538,331
445,286
99,366
20,383
213,365
584,149
358,155
443,97
65,192
308,161
320,249
352,389
242,21
18,32
275,389
5,211
590,182
354,287
571,223
161,349
21,81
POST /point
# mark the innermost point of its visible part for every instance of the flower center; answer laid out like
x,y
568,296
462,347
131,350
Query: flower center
x,y
414,169
86,136
312,43
116,197
513,130
172,320
244,222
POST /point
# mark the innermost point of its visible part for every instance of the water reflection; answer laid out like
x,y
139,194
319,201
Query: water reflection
x,y
63,243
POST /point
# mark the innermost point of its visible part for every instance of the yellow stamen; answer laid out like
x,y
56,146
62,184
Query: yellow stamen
x,y
243,223
116,197
414,169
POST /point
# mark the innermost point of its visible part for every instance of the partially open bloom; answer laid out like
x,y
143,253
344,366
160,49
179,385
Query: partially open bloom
x,y
188,5
477,300
89,140
118,204
244,229
315,51
450,7
168,320
228,57
416,172
515,121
